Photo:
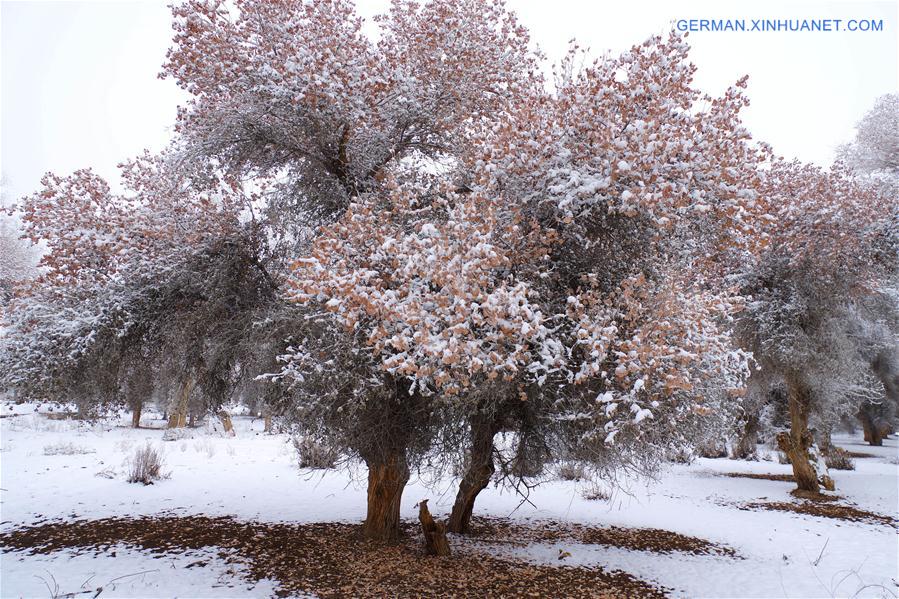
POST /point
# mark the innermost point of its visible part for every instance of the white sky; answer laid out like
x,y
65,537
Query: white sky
x,y
79,85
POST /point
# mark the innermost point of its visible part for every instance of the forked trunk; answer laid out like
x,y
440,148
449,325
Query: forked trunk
x,y
386,480
137,407
477,476
797,443
178,413
225,417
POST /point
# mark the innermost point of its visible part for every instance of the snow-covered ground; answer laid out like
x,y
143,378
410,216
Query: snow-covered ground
x,y
253,476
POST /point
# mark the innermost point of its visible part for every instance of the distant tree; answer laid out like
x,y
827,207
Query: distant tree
x,y
874,156
17,257
874,153
155,279
831,246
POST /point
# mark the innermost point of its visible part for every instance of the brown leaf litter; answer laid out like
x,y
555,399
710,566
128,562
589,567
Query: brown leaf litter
x,y
656,540
334,560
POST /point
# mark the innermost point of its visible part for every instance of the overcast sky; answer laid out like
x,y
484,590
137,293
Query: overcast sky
x,y
79,84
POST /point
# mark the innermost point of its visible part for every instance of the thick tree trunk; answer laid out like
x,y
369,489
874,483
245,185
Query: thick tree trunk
x,y
869,426
225,417
268,424
477,476
434,532
178,413
137,407
798,441
746,447
386,480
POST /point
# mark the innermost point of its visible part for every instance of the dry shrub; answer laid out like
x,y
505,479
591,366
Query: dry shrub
x,y
712,449
145,465
596,493
315,455
839,459
681,456
571,471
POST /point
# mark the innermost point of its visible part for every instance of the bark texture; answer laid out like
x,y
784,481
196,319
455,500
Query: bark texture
x,y
799,441
434,532
386,480
480,471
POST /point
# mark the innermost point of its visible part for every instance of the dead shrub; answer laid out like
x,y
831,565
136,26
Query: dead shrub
x,y
681,456
596,493
571,471
839,459
145,466
313,454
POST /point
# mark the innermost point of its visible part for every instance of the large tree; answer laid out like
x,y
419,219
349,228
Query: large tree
x,y
578,270
298,94
156,278
831,247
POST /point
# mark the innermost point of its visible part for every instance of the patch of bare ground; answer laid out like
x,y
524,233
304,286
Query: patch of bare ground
x,y
333,560
785,478
823,506
503,530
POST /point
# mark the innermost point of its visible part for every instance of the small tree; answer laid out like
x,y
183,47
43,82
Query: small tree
x,y
18,258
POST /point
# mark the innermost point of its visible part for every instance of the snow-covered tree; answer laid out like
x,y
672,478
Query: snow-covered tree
x,y
831,246
579,262
874,157
874,153
154,278
17,257
296,93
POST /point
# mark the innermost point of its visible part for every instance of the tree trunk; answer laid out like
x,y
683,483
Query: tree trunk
x,y
480,471
225,417
798,441
268,424
825,442
434,532
178,412
386,480
137,407
872,431
746,447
